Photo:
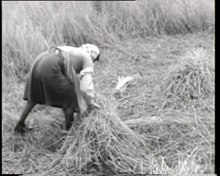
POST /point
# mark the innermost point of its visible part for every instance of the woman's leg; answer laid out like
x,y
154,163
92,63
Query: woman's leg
x,y
68,114
20,127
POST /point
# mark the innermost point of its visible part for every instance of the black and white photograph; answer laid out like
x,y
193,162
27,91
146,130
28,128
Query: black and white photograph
x,y
102,88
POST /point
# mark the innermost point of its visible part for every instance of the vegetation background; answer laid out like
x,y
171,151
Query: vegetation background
x,y
152,41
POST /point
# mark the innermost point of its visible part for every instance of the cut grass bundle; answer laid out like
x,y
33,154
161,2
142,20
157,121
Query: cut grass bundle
x,y
192,78
101,143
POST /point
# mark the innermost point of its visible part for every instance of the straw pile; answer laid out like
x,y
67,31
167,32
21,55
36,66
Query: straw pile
x,y
101,144
192,78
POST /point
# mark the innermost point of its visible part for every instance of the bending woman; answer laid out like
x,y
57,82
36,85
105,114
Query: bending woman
x,y
61,77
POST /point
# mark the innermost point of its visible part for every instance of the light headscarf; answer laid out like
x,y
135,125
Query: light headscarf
x,y
92,50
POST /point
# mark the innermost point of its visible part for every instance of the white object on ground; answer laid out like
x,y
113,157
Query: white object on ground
x,y
122,81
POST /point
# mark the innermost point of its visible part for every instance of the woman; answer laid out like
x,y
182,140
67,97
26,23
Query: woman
x,y
61,77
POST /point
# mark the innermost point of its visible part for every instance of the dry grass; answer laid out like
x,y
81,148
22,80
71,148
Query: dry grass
x,y
101,143
192,78
31,27
151,126
174,143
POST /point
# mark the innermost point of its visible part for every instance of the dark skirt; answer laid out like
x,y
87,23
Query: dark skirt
x,y
47,83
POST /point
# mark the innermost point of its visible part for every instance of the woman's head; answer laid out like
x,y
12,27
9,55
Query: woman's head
x,y
92,50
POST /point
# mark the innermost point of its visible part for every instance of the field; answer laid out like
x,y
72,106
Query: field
x,y
160,122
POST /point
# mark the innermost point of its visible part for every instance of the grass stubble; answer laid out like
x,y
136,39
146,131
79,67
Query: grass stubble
x,y
161,122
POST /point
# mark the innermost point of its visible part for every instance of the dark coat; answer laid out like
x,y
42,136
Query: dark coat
x,y
48,84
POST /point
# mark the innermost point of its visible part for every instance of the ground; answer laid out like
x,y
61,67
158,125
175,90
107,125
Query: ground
x,y
173,134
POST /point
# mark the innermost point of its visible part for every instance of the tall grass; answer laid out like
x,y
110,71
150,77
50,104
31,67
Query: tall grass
x,y
31,27
178,140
